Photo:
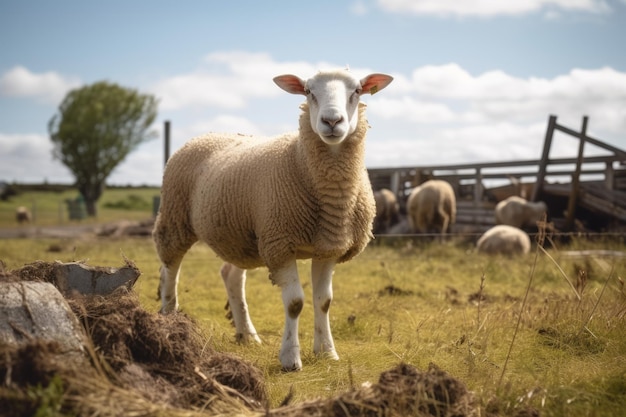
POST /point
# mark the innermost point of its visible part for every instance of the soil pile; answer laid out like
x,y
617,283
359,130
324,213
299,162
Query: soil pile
x,y
143,363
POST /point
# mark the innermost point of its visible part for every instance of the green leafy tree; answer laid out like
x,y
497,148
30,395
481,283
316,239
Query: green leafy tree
x,y
95,129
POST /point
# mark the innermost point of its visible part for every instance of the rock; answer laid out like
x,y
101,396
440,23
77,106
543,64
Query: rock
x,y
32,311
76,276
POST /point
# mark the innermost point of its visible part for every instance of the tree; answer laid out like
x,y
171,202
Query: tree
x,y
95,128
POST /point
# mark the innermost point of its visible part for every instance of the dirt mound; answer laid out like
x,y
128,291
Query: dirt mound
x,y
148,364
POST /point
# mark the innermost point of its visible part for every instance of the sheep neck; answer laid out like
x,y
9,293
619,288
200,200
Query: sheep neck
x,y
333,169
336,178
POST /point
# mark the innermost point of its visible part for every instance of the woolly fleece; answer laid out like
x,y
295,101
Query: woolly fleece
x,y
518,212
265,202
504,239
432,206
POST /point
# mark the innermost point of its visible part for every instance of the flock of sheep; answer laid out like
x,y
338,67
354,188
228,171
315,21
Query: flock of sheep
x,y
431,208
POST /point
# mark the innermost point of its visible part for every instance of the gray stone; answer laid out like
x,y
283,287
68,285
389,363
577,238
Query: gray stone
x,y
32,311
77,276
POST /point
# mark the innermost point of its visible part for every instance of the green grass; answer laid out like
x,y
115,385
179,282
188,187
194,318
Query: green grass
x,y
450,306
50,208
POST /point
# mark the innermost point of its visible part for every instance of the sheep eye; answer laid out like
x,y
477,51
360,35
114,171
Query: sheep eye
x,y
307,91
358,91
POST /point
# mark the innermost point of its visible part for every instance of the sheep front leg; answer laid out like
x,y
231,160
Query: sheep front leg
x,y
293,300
321,276
235,282
168,286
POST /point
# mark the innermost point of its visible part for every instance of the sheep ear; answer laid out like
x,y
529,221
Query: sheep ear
x,y
373,83
290,83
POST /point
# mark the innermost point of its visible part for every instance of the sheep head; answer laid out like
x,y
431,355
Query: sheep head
x,y
333,99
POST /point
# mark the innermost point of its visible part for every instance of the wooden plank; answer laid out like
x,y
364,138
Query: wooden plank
x,y
410,170
606,207
596,142
573,197
543,163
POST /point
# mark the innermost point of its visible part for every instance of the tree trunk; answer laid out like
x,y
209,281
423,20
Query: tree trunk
x,y
91,194
90,206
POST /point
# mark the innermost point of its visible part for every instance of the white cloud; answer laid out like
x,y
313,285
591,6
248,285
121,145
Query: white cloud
x,y
432,115
48,87
228,80
411,109
490,8
452,81
28,158
448,93
144,166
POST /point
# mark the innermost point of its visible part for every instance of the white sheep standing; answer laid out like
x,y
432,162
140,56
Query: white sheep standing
x,y
519,212
504,239
431,207
387,210
22,215
256,203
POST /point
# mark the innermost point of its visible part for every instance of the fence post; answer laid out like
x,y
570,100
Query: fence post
x,y
543,164
609,175
395,183
573,196
478,187
166,144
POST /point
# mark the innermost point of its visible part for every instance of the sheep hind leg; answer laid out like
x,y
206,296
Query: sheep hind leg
x,y
171,247
235,282
321,275
168,286
293,301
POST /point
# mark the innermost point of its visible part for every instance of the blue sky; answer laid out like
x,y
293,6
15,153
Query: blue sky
x,y
475,80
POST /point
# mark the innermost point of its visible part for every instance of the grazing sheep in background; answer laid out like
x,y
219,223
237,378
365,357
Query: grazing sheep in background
x,y
22,215
431,207
505,240
256,203
387,210
518,212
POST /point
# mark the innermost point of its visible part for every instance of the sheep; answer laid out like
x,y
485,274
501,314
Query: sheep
x,y
267,203
432,207
22,215
504,239
518,212
387,210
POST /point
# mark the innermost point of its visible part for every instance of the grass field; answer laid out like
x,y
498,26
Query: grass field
x,y
547,330
51,209
514,330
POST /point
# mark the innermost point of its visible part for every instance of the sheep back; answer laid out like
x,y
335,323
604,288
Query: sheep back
x,y
504,239
518,212
262,202
432,206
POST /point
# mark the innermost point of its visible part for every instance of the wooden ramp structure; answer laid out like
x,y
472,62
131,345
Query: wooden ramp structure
x,y
582,193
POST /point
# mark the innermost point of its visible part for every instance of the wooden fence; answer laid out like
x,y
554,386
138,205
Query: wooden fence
x,y
479,186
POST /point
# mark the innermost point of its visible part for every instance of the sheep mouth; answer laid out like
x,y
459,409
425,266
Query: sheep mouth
x,y
331,139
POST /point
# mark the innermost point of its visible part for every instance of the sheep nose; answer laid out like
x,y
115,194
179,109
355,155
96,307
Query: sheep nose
x,y
332,120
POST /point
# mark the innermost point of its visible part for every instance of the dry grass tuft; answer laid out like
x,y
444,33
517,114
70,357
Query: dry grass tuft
x,y
146,364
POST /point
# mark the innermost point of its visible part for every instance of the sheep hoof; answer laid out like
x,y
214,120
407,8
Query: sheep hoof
x,y
168,308
331,355
246,338
290,359
296,367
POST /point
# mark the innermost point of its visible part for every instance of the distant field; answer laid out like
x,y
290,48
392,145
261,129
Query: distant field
x,y
51,208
